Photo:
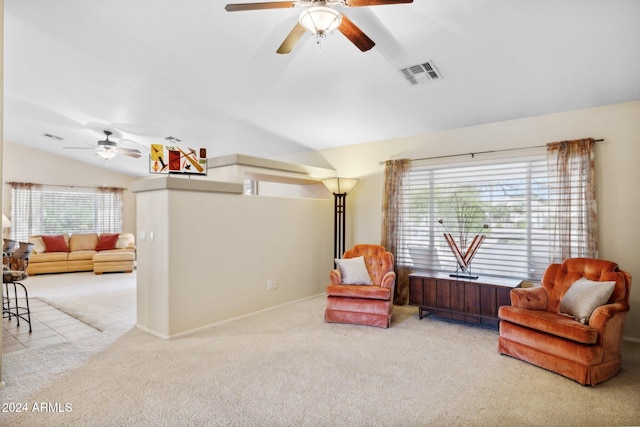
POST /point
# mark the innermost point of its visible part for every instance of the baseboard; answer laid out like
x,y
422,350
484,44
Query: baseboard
x,y
635,340
222,322
152,332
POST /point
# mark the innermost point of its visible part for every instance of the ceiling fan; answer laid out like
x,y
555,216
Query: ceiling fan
x,y
108,149
319,18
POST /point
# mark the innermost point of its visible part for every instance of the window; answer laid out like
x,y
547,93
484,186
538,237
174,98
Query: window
x,y
39,209
511,198
250,187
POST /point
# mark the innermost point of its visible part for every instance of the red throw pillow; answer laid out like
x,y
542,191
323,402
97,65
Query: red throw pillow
x,y
55,243
107,241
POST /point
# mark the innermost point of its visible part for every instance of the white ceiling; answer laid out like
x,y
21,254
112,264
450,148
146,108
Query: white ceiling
x,y
153,68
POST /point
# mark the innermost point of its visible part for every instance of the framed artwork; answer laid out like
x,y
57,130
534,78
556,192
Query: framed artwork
x,y
172,159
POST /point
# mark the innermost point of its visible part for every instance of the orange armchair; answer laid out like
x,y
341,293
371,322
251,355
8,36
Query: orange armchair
x,y
363,304
534,330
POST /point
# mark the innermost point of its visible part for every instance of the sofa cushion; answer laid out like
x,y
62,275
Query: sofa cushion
x,y
549,322
353,271
107,241
359,291
583,297
48,257
38,245
114,255
83,241
550,351
372,307
13,275
55,243
81,255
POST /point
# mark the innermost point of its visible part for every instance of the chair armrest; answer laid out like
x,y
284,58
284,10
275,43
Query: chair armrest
x,y
335,277
388,280
601,315
529,298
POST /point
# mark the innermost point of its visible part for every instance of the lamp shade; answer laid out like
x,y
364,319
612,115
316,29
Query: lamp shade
x,y
340,185
320,20
5,221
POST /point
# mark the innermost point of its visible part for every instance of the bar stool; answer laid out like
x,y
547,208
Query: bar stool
x,y
8,246
15,272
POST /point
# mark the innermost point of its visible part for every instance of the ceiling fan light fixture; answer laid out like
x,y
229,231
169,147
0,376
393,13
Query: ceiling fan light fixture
x,y
320,20
107,154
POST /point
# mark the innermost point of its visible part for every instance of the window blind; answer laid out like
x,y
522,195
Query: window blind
x,y
37,209
511,198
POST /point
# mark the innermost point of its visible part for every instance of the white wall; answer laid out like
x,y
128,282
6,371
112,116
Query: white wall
x,y
24,164
618,174
213,254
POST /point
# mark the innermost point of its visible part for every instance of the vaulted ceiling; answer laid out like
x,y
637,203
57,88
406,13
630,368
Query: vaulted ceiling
x,y
148,69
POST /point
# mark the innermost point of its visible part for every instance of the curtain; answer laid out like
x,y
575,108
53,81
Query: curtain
x,y
25,210
392,219
572,191
109,210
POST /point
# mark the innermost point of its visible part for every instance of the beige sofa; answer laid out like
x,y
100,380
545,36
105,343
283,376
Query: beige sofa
x,y
82,255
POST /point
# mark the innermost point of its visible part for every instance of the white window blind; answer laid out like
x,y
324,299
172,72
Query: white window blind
x,y
512,198
37,209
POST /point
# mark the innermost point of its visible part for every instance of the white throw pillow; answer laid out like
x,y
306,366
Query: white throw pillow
x,y
123,241
354,271
39,247
583,297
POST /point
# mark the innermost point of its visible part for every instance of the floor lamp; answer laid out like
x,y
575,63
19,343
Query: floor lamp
x,y
340,187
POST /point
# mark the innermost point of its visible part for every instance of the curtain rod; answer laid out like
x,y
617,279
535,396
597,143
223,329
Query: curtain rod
x,y
66,186
482,152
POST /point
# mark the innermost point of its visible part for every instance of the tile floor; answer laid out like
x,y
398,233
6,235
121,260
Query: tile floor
x,y
49,326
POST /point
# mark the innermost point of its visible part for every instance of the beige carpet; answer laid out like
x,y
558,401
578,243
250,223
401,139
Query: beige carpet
x,y
286,367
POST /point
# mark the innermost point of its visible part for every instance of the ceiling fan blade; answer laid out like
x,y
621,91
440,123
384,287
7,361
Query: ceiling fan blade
x,y
355,34
135,143
239,7
129,150
291,39
359,3
129,153
79,148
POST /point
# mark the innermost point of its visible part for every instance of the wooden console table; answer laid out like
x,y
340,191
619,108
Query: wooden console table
x,y
474,301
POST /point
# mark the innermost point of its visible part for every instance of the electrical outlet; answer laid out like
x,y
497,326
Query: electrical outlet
x,y
272,284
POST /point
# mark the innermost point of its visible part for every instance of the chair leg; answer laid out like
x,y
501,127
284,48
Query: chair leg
x,y
15,299
7,310
26,298
6,302
20,312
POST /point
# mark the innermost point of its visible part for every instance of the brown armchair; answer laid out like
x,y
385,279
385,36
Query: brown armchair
x,y
363,304
533,330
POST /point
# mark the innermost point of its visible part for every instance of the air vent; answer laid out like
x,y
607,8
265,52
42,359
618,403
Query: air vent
x,y
421,73
172,139
52,136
